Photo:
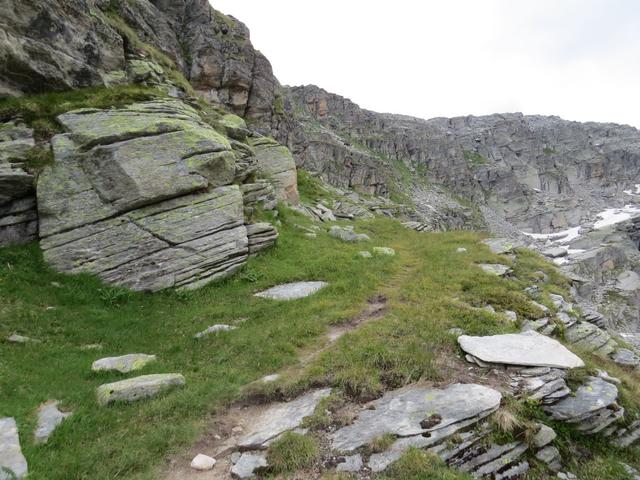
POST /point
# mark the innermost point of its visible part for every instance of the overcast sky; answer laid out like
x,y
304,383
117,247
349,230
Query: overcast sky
x,y
579,59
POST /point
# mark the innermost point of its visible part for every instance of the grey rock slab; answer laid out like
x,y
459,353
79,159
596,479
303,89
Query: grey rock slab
x,y
220,327
49,417
544,436
400,413
12,460
384,251
351,463
124,363
527,348
555,252
589,398
347,234
138,388
511,315
365,254
248,463
624,356
203,462
495,269
279,418
628,281
292,291
15,338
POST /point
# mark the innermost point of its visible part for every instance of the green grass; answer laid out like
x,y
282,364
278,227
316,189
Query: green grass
x,y
419,465
474,158
291,452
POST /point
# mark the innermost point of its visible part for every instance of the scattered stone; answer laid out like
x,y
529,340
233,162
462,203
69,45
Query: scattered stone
x,y
608,378
560,303
123,364
528,349
456,331
91,346
500,246
589,336
270,378
248,463
364,254
292,291
346,234
624,356
511,315
461,250
542,307
279,418
551,456
352,463
544,436
15,338
555,252
628,281
49,417
384,251
489,308
202,462
11,457
220,327
138,388
401,413
495,269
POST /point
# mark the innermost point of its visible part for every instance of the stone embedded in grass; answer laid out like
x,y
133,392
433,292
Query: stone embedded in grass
x,y
15,338
511,315
270,378
11,459
401,413
624,356
384,251
347,234
49,417
138,388
495,269
461,250
364,254
279,418
123,364
220,327
292,291
352,463
203,462
544,436
501,246
527,349
248,463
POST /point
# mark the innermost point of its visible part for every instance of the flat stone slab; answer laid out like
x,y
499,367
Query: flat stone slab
x,y
281,417
248,463
501,245
555,252
384,251
527,349
590,397
347,234
123,364
203,462
138,388
221,327
401,412
352,463
495,269
292,291
11,459
15,338
49,417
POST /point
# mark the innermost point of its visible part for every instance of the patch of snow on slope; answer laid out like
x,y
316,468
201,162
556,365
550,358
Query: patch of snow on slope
x,y
611,216
564,236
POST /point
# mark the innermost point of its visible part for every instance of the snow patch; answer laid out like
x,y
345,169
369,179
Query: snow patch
x,y
611,216
564,236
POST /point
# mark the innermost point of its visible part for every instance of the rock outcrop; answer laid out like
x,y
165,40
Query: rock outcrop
x,y
143,196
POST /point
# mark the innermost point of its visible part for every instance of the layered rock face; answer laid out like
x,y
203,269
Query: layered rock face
x,y
65,44
538,173
18,217
145,198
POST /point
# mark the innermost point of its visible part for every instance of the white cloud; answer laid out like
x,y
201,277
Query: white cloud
x,y
579,59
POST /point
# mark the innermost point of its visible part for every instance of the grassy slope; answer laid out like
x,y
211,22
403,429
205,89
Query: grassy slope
x,y
428,284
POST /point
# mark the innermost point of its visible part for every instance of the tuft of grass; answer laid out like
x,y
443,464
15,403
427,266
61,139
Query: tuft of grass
x,y
417,464
474,158
292,452
382,443
38,157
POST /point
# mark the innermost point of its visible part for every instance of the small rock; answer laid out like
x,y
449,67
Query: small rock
x,y
608,378
248,463
456,331
384,251
544,436
495,269
542,307
311,235
91,346
347,234
555,252
292,291
138,388
123,364
352,463
489,308
215,329
364,254
49,417
271,378
202,462
11,457
511,315
461,250
15,338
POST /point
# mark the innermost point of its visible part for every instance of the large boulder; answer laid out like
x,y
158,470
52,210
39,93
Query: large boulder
x,y
142,197
276,163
